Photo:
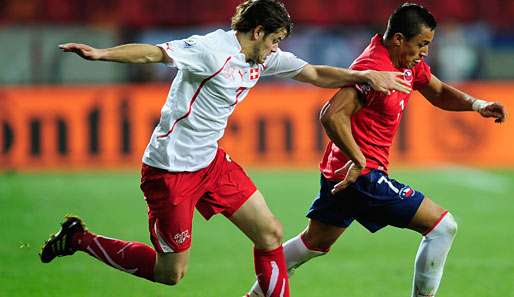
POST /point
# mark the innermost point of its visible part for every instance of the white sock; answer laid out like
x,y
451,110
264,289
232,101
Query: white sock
x,y
296,254
431,257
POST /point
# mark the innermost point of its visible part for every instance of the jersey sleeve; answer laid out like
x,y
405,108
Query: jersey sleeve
x,y
366,93
422,75
283,64
191,54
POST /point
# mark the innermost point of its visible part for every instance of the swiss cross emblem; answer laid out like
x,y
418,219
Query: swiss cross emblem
x,y
254,73
180,238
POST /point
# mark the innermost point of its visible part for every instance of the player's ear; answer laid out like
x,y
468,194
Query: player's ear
x,y
258,32
398,39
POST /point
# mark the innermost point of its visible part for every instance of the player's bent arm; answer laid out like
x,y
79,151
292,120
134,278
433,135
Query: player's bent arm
x,y
336,120
127,53
334,77
446,97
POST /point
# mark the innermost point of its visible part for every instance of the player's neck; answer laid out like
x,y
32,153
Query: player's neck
x,y
246,44
393,53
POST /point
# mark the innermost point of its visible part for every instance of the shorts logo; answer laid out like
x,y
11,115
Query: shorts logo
x,y
406,192
180,238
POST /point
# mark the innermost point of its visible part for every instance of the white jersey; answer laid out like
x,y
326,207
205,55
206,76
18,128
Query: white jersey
x,y
213,77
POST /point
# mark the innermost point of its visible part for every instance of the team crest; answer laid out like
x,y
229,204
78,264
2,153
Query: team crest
x,y
254,73
406,192
180,238
407,75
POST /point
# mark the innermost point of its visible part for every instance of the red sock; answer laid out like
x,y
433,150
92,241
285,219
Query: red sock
x,y
271,270
133,257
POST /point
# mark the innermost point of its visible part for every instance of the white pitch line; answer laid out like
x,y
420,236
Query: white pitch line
x,y
475,179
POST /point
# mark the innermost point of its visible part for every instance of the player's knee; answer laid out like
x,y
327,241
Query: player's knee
x,y
451,225
447,228
317,243
169,274
272,236
172,278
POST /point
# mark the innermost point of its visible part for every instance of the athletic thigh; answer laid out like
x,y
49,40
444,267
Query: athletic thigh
x,y
171,198
385,201
427,216
257,222
321,236
229,188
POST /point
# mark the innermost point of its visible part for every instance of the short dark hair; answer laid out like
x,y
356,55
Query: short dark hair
x,y
271,14
408,20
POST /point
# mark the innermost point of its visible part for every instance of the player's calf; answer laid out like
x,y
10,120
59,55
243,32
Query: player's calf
x,y
170,268
296,253
132,257
431,256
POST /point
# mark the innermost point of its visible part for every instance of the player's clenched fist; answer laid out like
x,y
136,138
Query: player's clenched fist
x,y
492,110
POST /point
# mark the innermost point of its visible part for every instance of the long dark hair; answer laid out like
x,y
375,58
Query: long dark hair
x,y
271,14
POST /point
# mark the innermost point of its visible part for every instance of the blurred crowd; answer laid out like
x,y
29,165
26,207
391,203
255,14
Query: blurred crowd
x,y
474,40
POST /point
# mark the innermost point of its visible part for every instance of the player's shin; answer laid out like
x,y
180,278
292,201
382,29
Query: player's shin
x,y
431,257
132,257
271,271
296,253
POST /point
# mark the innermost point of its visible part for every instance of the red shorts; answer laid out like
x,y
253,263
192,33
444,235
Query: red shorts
x,y
222,187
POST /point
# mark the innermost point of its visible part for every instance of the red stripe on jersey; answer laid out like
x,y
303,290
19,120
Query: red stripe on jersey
x,y
193,99
239,91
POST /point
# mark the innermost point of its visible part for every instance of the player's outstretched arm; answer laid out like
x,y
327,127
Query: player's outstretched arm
x,y
127,53
446,97
334,77
336,120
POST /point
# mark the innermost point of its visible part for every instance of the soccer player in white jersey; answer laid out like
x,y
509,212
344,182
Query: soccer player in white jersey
x,y
183,167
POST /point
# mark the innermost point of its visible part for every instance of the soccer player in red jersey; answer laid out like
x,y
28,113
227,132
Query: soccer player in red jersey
x,y
361,124
183,167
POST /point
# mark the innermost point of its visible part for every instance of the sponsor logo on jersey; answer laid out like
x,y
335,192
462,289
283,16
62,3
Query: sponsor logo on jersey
x,y
407,75
189,43
181,237
406,192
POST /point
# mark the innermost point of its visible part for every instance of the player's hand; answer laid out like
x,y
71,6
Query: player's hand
x,y
85,51
352,173
494,110
385,81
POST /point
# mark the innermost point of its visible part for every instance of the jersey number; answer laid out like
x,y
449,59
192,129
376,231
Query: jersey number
x,y
402,105
383,179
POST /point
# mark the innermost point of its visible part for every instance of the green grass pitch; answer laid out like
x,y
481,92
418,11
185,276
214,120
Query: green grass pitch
x,y
481,263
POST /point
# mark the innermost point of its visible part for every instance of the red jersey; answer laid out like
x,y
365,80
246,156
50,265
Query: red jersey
x,y
376,123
